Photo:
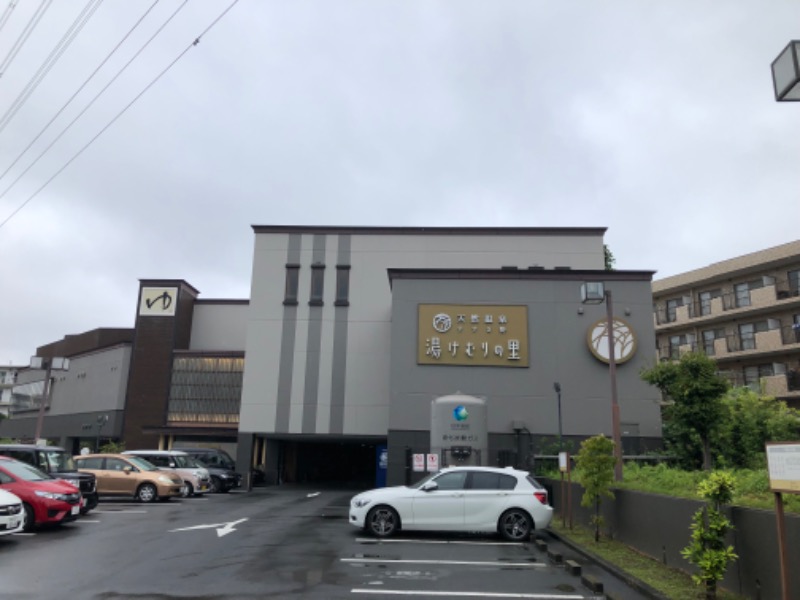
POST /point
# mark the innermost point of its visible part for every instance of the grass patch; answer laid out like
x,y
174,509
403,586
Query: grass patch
x,y
670,582
752,486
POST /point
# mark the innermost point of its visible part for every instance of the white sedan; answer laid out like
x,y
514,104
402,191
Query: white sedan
x,y
10,513
480,499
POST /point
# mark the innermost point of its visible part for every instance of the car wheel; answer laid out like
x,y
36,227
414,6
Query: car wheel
x,y
28,518
187,490
515,525
215,485
147,492
382,521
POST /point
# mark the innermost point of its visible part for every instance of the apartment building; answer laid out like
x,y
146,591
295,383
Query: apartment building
x,y
744,313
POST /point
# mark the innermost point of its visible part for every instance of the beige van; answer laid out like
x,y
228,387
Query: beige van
x,y
119,475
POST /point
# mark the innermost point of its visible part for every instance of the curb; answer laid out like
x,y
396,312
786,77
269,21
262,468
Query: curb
x,y
634,582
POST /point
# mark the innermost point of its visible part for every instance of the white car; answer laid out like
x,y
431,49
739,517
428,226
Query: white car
x,y
10,513
480,499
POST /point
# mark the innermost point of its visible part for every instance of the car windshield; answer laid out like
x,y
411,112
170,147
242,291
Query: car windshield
x,y
423,481
141,463
25,471
59,461
182,462
198,464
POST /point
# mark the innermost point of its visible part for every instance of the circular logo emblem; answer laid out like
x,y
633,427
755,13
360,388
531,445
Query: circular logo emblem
x,y
624,340
442,323
460,413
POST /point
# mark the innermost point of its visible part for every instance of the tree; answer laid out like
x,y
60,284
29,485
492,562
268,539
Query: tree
x,y
595,462
751,420
707,549
610,261
695,388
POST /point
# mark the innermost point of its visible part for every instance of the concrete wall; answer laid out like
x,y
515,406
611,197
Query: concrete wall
x,y
325,369
658,526
219,327
558,352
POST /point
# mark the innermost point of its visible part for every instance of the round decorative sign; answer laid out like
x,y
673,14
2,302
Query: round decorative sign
x,y
624,340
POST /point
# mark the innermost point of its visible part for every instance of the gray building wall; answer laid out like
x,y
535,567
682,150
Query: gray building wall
x,y
325,369
557,330
93,386
219,326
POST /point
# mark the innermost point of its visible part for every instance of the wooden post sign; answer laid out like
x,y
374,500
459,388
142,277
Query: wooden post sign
x,y
783,464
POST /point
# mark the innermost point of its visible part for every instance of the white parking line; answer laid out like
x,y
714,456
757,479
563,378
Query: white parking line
x,y
32,534
120,512
410,541
429,593
90,521
474,563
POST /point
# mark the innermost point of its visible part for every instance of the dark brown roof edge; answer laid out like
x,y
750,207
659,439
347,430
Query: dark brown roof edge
x,y
243,301
361,230
541,274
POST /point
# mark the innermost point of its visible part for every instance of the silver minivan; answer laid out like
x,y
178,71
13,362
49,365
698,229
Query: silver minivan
x,y
196,480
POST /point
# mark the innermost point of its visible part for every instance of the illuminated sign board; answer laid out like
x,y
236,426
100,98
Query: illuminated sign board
x,y
480,335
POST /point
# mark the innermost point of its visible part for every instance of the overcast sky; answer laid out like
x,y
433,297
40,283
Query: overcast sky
x,y
654,119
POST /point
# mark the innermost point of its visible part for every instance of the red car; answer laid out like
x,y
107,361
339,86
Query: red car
x,y
44,498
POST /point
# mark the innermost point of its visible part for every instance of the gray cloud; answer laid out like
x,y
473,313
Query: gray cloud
x,y
655,120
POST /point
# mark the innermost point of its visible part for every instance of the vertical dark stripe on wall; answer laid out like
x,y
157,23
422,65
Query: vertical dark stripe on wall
x,y
287,348
313,347
339,348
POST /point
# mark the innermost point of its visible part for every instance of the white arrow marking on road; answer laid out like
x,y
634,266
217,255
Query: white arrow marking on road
x,y
222,528
313,494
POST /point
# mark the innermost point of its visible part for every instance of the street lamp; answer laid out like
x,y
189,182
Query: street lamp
x,y
595,293
101,420
49,364
786,73
557,388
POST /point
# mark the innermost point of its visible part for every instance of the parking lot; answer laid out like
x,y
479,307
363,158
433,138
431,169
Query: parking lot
x,y
286,542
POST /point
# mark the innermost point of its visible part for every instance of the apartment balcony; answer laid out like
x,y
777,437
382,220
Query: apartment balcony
x,y
786,385
727,305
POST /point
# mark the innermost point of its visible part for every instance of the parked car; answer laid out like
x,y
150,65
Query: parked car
x,y
10,513
57,462
45,499
222,480
196,479
220,465
481,499
120,475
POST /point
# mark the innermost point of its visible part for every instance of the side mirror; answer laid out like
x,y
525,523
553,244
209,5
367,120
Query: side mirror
x,y
171,465
430,486
127,470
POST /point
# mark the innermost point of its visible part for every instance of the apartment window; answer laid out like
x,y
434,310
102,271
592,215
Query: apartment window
x,y
705,300
794,282
753,375
747,336
675,342
742,292
317,284
342,285
292,281
672,308
709,336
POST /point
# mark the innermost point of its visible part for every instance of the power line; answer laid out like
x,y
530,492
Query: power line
x,y
23,37
79,90
55,54
6,14
123,111
93,100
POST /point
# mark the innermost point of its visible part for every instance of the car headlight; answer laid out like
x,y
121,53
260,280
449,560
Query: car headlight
x,y
225,476
361,502
50,495
165,479
197,474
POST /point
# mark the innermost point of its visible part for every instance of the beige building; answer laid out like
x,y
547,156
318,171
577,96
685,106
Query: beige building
x,y
743,312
